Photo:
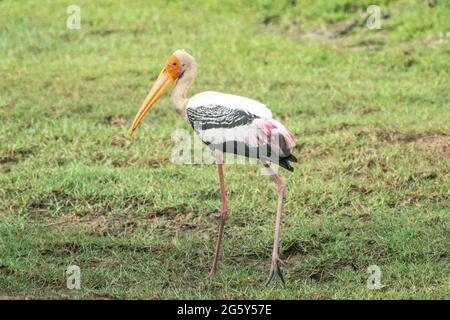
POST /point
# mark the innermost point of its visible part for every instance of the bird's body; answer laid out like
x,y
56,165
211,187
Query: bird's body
x,y
226,123
239,125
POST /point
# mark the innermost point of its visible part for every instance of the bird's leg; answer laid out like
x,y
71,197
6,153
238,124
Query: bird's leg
x,y
275,267
223,212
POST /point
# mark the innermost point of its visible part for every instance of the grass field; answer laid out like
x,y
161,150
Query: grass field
x,y
371,188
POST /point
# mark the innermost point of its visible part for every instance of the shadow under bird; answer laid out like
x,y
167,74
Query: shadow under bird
x,y
226,123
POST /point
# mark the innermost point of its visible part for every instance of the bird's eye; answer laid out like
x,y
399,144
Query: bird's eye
x,y
174,63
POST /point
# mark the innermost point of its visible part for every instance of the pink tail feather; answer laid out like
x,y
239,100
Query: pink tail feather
x,y
272,127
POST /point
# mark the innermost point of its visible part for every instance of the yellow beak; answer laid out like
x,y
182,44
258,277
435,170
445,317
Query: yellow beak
x,y
159,87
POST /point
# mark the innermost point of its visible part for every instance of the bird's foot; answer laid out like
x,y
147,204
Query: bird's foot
x,y
212,272
275,268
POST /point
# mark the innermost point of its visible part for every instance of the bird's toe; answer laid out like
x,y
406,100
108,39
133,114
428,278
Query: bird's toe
x,y
275,269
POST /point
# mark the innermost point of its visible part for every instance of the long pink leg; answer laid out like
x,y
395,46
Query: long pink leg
x,y
275,267
223,212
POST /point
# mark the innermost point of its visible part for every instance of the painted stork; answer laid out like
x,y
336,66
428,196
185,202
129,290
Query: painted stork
x,y
226,123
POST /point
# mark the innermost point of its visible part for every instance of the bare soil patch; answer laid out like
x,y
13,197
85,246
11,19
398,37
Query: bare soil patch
x,y
15,155
433,141
117,120
425,141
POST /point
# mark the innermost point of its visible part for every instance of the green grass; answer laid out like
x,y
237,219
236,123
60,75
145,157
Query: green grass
x,y
371,107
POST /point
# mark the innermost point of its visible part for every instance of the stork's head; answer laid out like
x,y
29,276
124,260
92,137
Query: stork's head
x,y
175,68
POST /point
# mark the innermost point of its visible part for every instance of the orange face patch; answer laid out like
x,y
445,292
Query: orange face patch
x,y
173,67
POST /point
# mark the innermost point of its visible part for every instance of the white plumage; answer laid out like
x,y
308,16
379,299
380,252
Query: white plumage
x,y
230,101
239,125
